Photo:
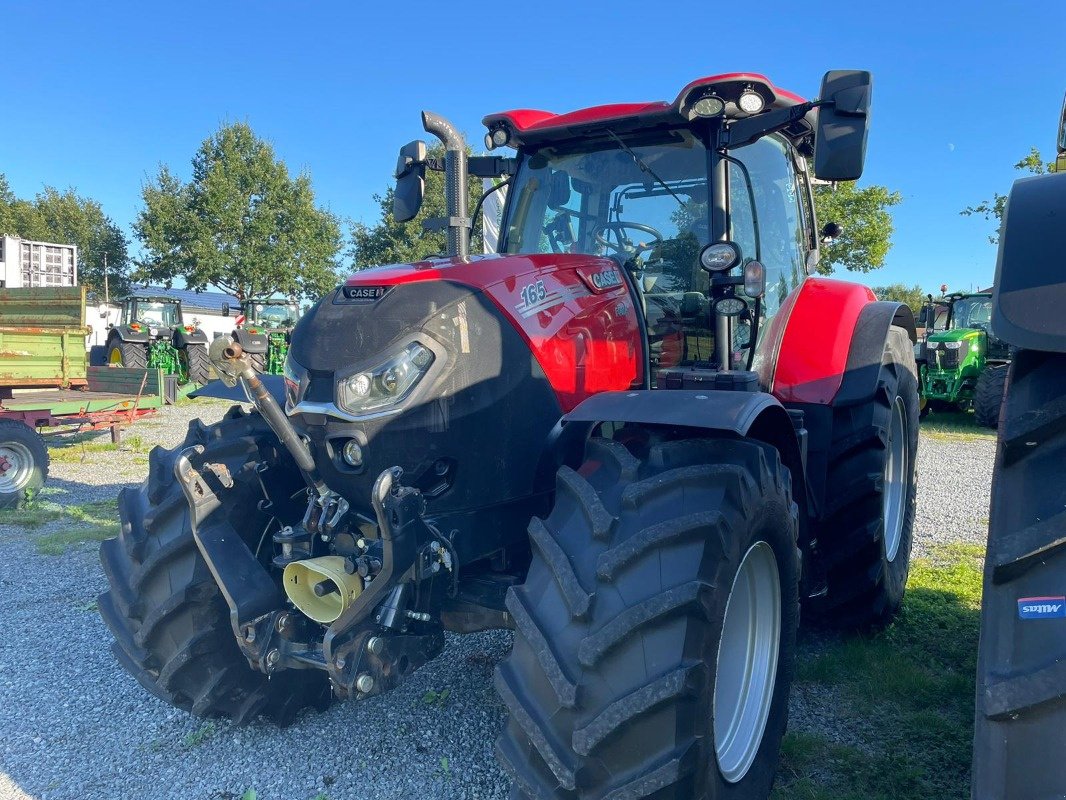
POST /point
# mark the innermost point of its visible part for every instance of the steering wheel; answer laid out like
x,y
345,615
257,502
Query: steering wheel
x,y
626,247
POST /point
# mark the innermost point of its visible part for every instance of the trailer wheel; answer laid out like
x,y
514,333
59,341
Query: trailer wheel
x,y
865,537
23,462
655,632
988,397
127,354
169,619
198,362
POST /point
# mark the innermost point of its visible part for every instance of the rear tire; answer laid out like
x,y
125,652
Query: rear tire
x,y
198,362
98,355
988,397
170,622
612,681
127,354
23,462
259,363
864,540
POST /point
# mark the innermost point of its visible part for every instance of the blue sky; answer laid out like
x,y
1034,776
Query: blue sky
x,y
96,96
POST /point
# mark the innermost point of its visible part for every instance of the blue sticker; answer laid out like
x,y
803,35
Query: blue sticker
x,y
1041,607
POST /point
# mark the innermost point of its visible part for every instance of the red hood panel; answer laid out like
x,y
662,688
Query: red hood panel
x,y
478,272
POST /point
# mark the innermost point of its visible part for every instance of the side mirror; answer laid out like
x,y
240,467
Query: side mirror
x,y
225,309
831,231
840,137
102,309
410,181
558,189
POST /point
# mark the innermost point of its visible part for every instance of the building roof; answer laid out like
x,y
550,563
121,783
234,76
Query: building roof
x,y
206,302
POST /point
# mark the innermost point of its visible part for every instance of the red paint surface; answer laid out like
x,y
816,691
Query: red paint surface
x,y
816,340
586,342
526,120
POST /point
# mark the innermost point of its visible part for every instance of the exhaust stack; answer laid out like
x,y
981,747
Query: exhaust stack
x,y
455,182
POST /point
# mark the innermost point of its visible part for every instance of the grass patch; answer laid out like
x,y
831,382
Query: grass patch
x,y
32,516
914,682
78,452
955,426
198,736
56,544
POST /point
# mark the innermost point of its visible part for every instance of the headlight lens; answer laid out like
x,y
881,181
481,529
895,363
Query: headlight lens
x,y
385,384
952,345
293,375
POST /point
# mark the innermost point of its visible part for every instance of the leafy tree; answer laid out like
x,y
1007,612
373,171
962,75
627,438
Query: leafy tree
x,y
913,296
242,224
68,218
993,209
392,242
867,225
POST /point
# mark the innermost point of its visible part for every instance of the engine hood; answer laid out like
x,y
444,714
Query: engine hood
x,y
954,335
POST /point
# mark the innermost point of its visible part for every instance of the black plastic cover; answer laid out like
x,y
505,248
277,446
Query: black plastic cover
x,y
1029,301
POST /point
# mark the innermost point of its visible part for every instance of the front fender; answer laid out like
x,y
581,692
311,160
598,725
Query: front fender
x,y
251,342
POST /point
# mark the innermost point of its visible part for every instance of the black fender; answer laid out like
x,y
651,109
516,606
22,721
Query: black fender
x,y
125,333
756,415
1029,293
868,349
183,338
251,342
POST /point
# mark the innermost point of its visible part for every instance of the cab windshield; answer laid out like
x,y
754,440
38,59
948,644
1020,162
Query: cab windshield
x,y
644,201
274,315
156,314
972,312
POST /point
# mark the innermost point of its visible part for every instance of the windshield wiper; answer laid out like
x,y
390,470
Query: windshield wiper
x,y
644,167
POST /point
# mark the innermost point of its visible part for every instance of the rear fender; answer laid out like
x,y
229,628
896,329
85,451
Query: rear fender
x,y
126,334
251,342
183,338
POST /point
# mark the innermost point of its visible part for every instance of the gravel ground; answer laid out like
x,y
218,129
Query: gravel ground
x,y
73,724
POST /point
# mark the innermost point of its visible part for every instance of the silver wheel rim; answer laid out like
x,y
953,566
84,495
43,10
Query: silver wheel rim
x,y
895,493
747,662
16,467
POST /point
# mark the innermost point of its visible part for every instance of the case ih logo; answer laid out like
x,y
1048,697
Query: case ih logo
x,y
364,294
606,279
1041,607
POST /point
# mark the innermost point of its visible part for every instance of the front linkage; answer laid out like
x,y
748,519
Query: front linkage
x,y
377,634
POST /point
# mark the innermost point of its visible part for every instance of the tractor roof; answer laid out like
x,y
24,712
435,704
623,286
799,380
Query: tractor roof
x,y
527,126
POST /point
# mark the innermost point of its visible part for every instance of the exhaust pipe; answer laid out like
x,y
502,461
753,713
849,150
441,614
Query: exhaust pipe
x,y
456,187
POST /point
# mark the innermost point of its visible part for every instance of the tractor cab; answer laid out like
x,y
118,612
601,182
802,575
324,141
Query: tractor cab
x,y
156,313
276,313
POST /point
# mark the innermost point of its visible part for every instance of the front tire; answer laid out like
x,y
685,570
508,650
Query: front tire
x,y
170,622
864,540
988,397
654,585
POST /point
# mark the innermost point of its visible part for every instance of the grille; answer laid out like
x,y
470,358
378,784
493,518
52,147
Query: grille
x,y
948,359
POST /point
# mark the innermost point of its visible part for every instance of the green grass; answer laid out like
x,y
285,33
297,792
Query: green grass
x,y
955,426
89,522
79,452
198,736
909,689
56,544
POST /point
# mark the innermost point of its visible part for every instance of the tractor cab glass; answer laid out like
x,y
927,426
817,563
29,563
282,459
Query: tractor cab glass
x,y
156,313
971,312
273,314
644,200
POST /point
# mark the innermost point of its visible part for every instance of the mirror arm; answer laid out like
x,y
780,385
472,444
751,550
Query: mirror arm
x,y
749,130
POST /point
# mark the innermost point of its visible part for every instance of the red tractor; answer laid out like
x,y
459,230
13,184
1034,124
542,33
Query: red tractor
x,y
629,435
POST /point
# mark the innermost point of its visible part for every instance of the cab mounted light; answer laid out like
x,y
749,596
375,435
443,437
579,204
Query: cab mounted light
x,y
708,106
719,256
497,137
751,102
730,306
754,279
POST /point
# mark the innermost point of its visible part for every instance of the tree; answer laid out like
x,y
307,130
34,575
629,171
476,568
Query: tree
x,y
913,296
867,225
242,224
68,218
993,209
392,242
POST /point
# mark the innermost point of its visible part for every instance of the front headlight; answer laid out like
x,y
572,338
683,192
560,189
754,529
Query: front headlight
x,y
952,345
385,384
293,375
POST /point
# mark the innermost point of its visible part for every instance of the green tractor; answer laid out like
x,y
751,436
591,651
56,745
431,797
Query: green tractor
x,y
964,365
264,328
152,334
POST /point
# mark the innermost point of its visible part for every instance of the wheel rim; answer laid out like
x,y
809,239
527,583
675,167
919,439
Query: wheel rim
x,y
747,662
895,491
115,357
16,467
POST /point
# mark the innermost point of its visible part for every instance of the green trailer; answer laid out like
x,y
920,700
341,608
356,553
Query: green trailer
x,y
46,385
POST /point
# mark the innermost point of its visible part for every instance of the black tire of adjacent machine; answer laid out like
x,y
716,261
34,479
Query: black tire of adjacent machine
x,y
24,461
865,536
198,362
131,354
169,619
988,396
259,362
655,632
98,355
